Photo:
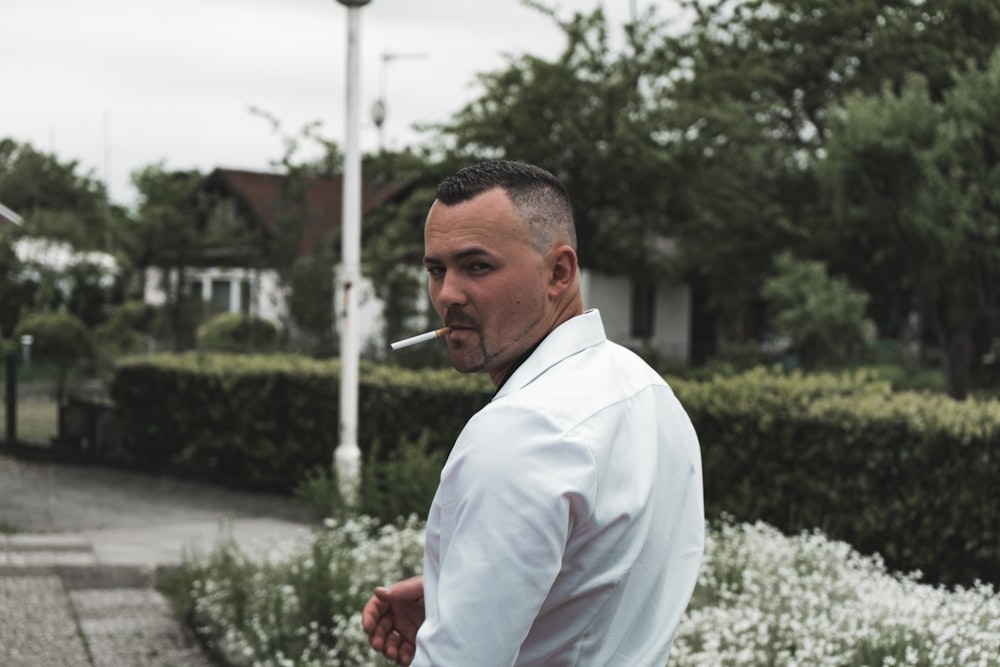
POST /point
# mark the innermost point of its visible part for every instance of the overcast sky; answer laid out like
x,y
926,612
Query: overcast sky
x,y
120,84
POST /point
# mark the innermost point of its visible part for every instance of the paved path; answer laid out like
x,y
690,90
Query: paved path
x,y
79,550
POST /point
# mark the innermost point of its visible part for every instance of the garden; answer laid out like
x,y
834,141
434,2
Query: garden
x,y
762,598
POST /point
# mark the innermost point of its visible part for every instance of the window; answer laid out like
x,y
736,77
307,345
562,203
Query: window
x,y
220,296
245,297
643,309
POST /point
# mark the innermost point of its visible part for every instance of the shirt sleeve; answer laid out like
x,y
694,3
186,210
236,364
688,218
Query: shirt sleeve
x,y
510,495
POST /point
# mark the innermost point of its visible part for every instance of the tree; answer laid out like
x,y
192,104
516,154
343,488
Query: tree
x,y
822,315
17,291
591,117
755,83
56,200
920,178
394,239
165,234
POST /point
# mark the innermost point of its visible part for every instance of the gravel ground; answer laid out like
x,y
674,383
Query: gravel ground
x,y
41,497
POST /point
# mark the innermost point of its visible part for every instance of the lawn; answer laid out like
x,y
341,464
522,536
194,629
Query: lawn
x,y
37,418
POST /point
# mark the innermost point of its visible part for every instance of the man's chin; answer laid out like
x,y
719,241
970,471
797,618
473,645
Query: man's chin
x,y
464,365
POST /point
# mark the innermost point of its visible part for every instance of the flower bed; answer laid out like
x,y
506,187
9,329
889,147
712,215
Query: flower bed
x,y
762,599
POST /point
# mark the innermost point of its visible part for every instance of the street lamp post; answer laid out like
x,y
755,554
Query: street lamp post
x,y
380,108
347,456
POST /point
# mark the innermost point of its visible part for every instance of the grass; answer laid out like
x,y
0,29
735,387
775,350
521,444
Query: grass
x,y
37,418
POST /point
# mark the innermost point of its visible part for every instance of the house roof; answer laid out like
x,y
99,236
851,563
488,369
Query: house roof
x,y
259,196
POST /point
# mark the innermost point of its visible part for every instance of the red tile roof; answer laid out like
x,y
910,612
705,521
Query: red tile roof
x,y
259,197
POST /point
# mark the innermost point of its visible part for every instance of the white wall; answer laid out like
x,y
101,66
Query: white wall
x,y
612,295
266,299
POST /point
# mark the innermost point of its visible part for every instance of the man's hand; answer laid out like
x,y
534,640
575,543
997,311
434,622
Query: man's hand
x,y
392,617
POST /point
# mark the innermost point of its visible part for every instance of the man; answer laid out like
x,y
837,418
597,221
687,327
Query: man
x,y
568,526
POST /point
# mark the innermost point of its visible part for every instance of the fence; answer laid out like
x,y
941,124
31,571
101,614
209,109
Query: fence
x,y
56,408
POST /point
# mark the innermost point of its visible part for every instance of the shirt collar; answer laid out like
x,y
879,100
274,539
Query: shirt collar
x,y
570,337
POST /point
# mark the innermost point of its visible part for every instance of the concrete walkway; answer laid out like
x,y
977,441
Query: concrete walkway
x,y
80,548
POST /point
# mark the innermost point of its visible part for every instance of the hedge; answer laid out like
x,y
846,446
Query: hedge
x,y
910,476
266,421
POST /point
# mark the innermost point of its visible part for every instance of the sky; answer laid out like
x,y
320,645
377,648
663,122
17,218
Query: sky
x,y
117,85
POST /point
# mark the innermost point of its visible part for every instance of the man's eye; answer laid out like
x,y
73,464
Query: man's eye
x,y
435,271
478,267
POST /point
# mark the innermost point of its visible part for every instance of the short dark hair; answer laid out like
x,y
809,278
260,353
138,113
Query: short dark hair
x,y
538,196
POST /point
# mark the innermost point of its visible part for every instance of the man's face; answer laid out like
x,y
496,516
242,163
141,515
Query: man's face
x,y
486,282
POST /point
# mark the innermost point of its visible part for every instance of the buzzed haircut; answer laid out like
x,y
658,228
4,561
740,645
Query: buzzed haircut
x,y
538,197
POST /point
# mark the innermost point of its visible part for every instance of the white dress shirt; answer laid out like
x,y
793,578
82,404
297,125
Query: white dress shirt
x,y
568,527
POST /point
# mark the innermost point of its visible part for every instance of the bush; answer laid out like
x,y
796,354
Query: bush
x,y
232,332
301,608
267,421
57,337
124,331
762,599
910,476
766,599
907,475
391,489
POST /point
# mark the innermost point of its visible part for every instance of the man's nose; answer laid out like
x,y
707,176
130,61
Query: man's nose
x,y
450,292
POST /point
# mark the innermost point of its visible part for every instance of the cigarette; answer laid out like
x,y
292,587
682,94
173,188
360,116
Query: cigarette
x,y
420,338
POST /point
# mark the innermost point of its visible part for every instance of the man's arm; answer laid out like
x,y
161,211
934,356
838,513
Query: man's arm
x,y
512,490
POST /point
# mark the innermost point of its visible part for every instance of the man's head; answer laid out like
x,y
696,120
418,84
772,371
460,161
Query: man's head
x,y
499,247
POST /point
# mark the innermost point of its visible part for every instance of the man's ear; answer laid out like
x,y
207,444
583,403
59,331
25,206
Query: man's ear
x,y
564,266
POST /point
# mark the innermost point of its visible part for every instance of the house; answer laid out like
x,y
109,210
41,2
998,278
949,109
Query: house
x,y
651,316
233,277
636,317
238,208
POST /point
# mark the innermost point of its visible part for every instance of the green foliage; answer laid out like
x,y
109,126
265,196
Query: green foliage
x,y
392,487
59,338
235,332
15,291
201,422
606,138
822,315
926,170
165,235
55,199
126,327
402,484
906,475
310,303
300,608
762,598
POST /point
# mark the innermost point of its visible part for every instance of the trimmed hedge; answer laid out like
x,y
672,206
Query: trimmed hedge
x,y
266,421
910,476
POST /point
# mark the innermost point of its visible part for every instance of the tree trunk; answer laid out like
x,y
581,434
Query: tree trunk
x,y
957,363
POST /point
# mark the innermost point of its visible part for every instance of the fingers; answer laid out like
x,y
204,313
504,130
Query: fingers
x,y
398,649
408,589
373,610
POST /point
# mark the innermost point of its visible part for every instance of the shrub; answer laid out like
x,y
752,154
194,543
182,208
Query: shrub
x,y
762,599
301,607
766,599
57,337
125,328
391,489
232,332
